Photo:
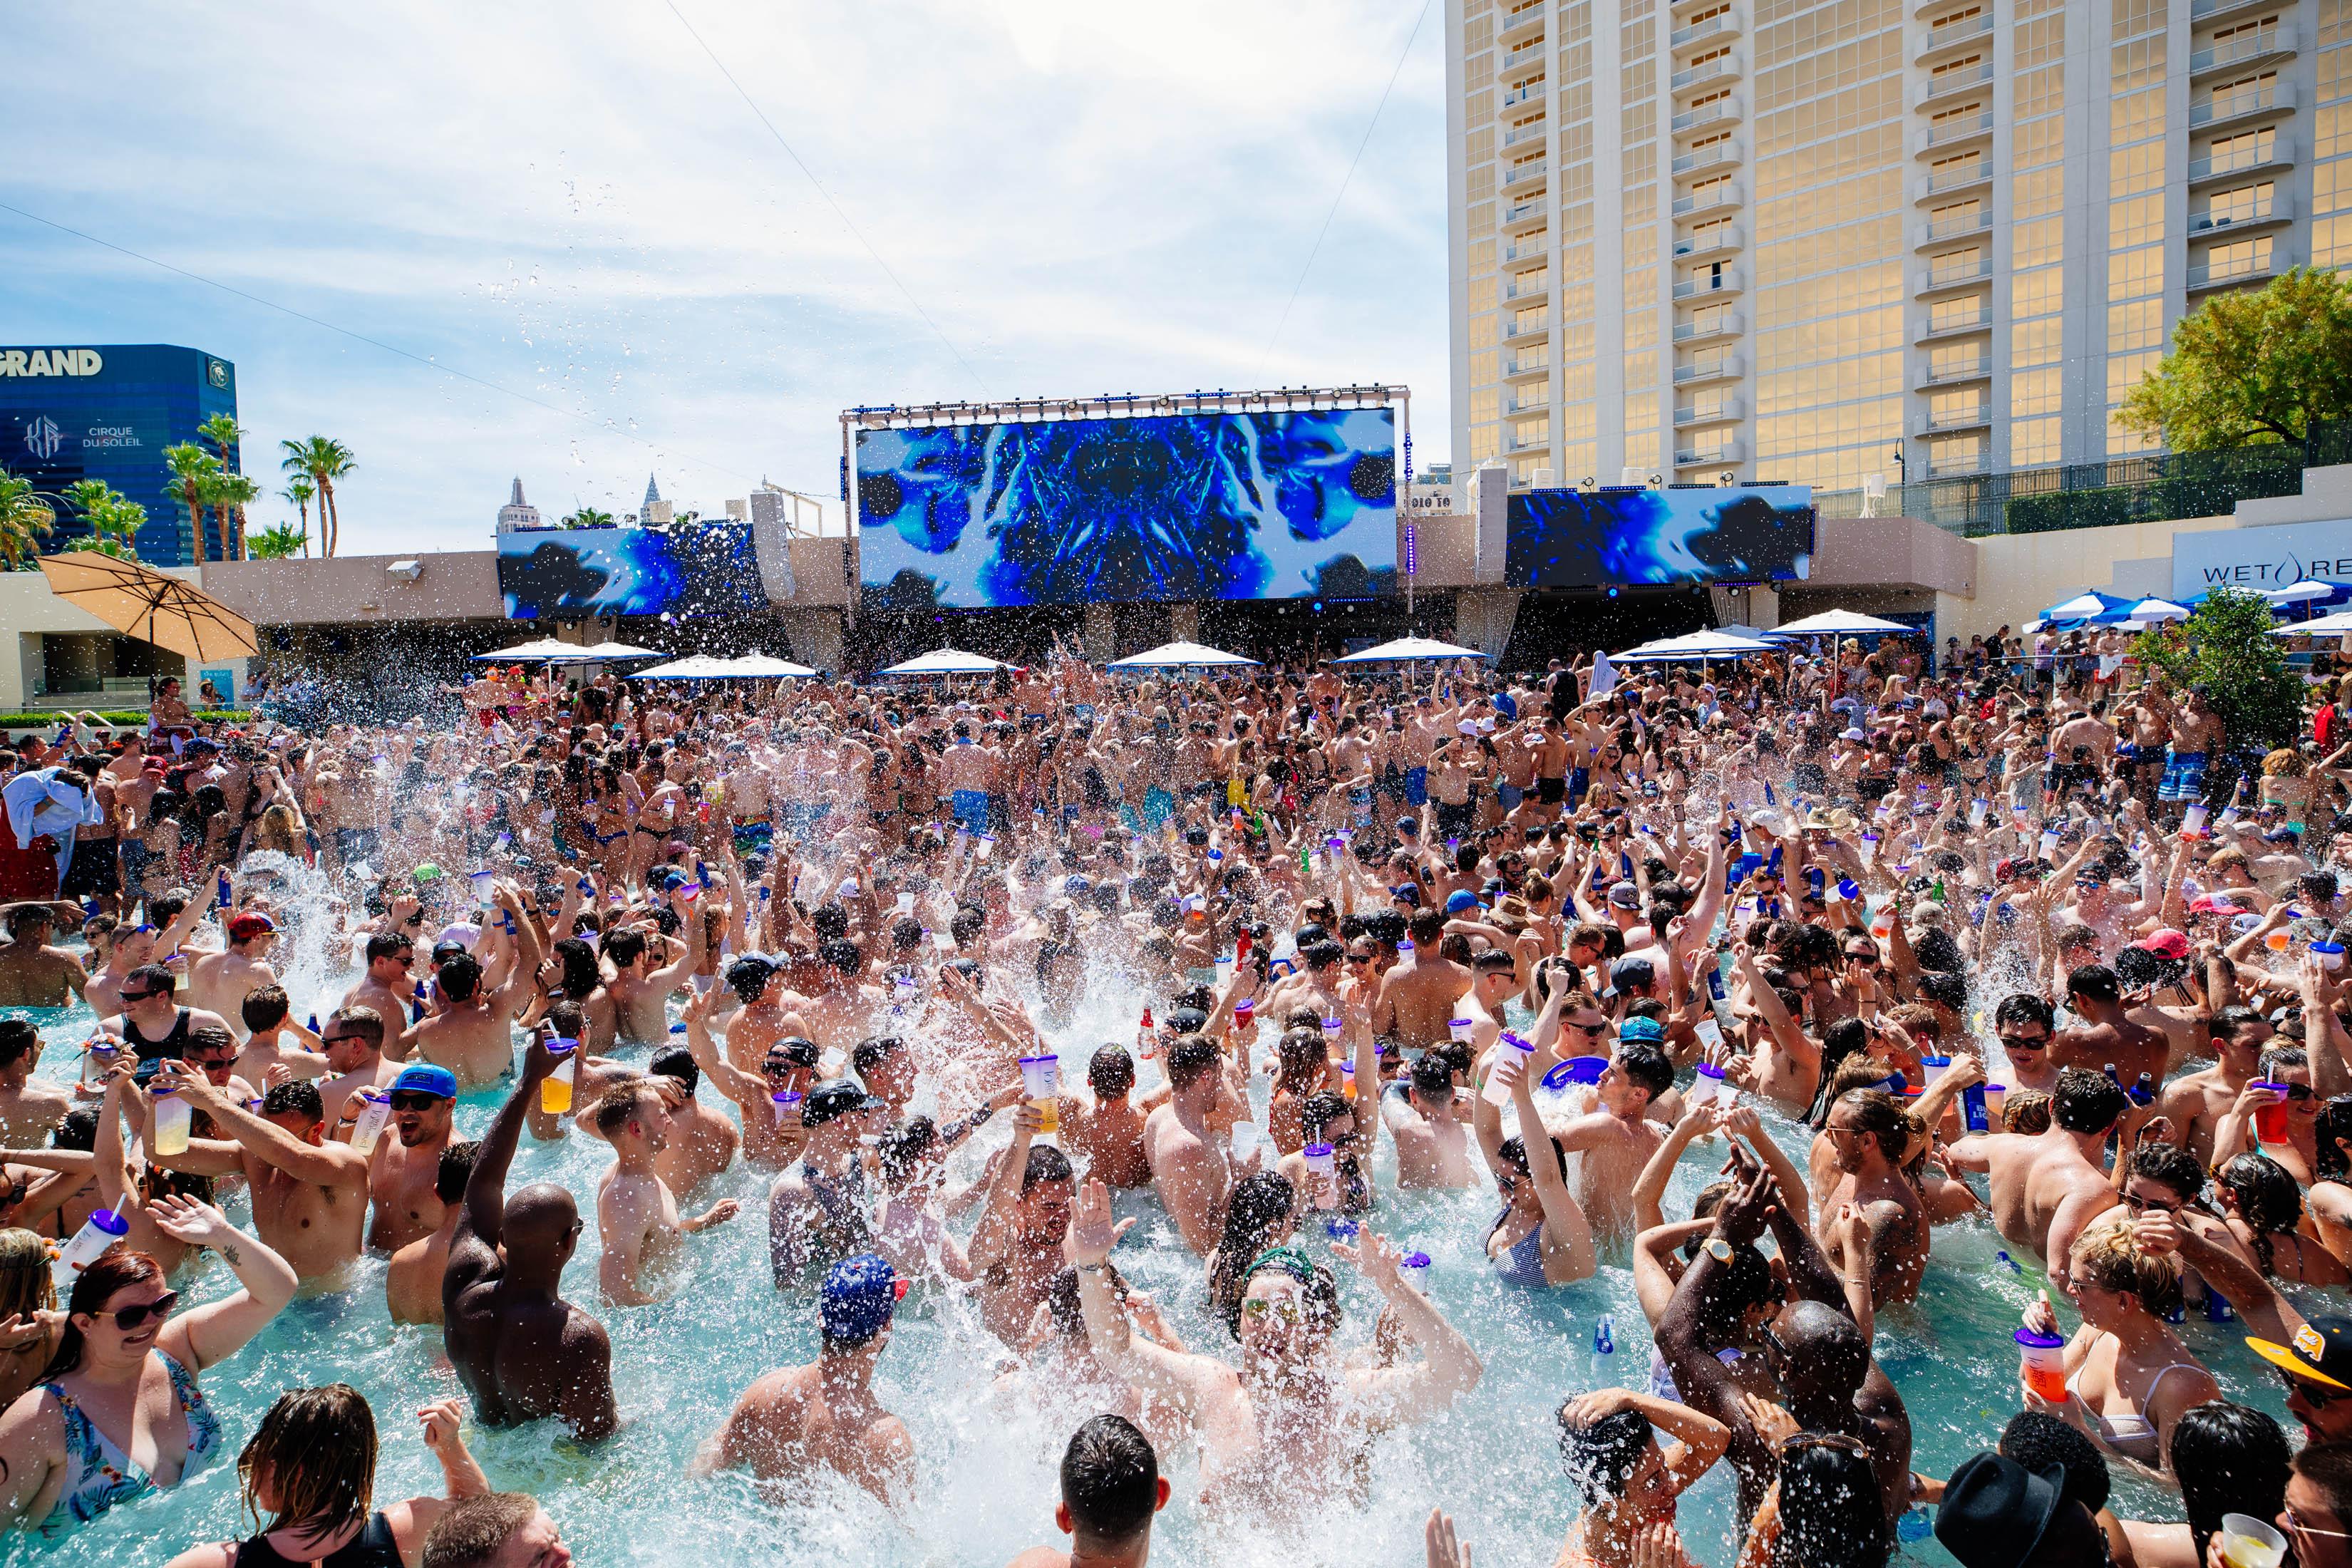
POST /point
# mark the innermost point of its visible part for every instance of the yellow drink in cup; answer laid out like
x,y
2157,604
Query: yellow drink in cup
x,y
1041,1082
2248,1542
555,1089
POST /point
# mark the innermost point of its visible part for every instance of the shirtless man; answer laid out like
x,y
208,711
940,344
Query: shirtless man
x,y
1784,1064
2194,1105
1416,1001
637,1217
521,1351
2105,1037
638,994
1187,1154
388,987
1617,1137
2025,1025
824,1417
1108,1127
30,1111
1868,1137
32,973
404,1170
970,774
137,945
411,1280
2196,735
1292,1407
770,1138
350,1058
220,982
1017,1248
2047,1187
472,1035
310,1196
836,1011
702,1141
1433,1146
1111,1487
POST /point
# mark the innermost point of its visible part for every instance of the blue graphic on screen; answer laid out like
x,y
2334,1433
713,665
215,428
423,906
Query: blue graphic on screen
x,y
702,569
1201,506
1571,539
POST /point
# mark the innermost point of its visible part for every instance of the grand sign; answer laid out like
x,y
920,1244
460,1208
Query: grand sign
x,y
51,362
2258,559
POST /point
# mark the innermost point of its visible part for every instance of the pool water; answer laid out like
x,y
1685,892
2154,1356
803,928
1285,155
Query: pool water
x,y
987,1463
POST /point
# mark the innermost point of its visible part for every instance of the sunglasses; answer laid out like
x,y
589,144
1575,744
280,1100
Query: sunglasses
x,y
2314,1392
1835,1440
138,995
2025,1043
1587,1030
1260,1306
2297,1092
129,1319
2294,1524
414,1099
2138,1204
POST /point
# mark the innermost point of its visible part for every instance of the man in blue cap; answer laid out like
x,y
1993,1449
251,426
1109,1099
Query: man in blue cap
x,y
824,1415
402,1170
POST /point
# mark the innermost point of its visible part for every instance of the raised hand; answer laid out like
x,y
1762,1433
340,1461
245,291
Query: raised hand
x,y
1092,1234
1375,1256
441,1421
191,1220
1446,1552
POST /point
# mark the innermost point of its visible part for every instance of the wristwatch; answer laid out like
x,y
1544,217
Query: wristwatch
x,y
1718,1250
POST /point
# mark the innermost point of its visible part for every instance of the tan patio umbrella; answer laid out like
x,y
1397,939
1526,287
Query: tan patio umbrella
x,y
152,606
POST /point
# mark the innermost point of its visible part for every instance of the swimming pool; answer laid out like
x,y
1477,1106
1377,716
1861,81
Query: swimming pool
x,y
987,1485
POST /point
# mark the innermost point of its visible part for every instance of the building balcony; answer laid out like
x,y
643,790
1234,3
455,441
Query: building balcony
x,y
1935,328
1716,325
1937,89
1723,193
2270,44
2276,99
1515,367
1722,111
1723,281
1945,135
1723,454
1960,225
1933,424
1943,35
1526,92
1723,69
1538,402
1946,182
2277,207
1527,175
1717,26
1520,328
2221,275
1536,444
1723,411
1538,285
1714,155
1717,366
1959,274
1528,214
1534,130
1720,239
1527,248
1528,22
1525,54
2214,10
1977,369
1960,467
2278,155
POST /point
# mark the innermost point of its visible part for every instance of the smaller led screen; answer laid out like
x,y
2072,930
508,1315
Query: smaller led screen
x,y
1575,539
709,569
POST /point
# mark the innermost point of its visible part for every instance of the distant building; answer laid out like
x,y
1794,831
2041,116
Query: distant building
x,y
106,412
655,510
518,515
1430,494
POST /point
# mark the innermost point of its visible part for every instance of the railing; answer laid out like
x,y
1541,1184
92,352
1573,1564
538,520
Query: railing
x,y
2206,275
1705,71
1708,367
2258,157
1527,133
1976,174
1519,328
1727,324
1518,366
1945,132
1951,467
1726,411
1699,32
1945,84
1934,424
1936,231
2158,487
1708,157
1976,270
1721,195
1975,370
1693,457
1534,169
1726,282
2201,10
1523,93
1722,237
2252,46
1526,210
2273,208
1944,34
1528,245
1705,115
1945,326
2237,105
1542,285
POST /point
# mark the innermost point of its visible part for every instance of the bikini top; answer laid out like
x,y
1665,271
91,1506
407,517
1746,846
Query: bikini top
x,y
2134,1437
101,1475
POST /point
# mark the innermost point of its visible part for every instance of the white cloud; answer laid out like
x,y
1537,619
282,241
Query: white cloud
x,y
572,202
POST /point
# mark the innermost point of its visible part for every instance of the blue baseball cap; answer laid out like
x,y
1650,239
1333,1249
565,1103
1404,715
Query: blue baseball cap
x,y
857,1298
1462,898
424,1077
1634,1031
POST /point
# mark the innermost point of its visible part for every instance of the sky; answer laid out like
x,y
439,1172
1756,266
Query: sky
x,y
570,207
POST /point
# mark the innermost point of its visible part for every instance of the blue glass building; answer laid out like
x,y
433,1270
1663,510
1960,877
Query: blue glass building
x,y
106,412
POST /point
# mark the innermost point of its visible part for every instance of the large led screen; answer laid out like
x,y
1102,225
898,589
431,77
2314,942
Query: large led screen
x,y
703,569
1572,539
1201,506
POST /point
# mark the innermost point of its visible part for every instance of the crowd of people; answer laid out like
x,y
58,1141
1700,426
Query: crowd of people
x,y
1899,949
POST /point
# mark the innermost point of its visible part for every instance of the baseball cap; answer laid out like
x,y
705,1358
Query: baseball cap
x,y
1635,1031
1629,971
2211,905
836,1097
250,924
2322,1351
1462,898
1626,895
1076,887
2165,944
424,1077
1853,734
859,1297
2282,835
1408,827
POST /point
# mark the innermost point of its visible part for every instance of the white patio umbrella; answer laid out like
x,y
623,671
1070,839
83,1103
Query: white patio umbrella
x,y
948,661
612,652
1409,650
758,666
2152,609
2301,593
534,651
2332,625
694,666
1693,645
2080,607
1835,624
1178,655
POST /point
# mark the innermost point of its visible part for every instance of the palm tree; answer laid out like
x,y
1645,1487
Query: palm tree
x,y
325,460
277,542
300,492
224,432
25,521
114,519
191,467
233,494
589,517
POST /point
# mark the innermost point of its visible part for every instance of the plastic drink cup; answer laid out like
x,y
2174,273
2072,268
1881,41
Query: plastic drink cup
x,y
1511,1057
1977,809
1041,1080
555,1089
905,903
172,1117
984,846
2270,1121
1320,1161
99,1058
1224,967
1869,848
2192,823
2049,843
2248,1542
1931,1069
1462,1029
1996,1096
787,1103
2041,1360
1708,1086
98,1232
1710,1033
2330,955
1414,1268
944,940
1348,1080
1244,1013
1973,1111
485,885
375,1110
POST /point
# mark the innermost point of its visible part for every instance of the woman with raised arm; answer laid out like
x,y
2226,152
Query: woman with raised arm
x,y
124,1365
